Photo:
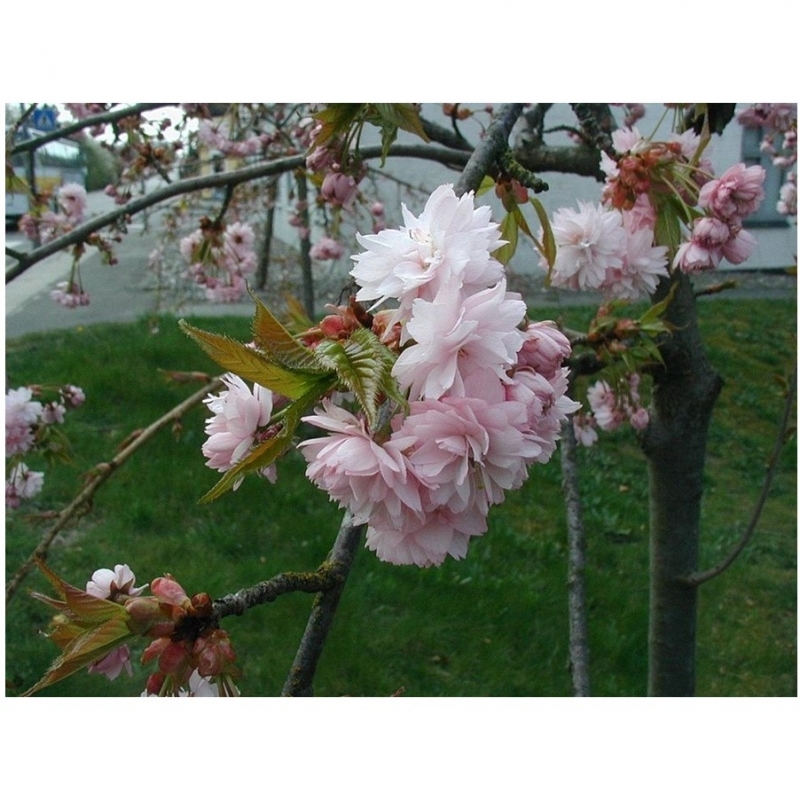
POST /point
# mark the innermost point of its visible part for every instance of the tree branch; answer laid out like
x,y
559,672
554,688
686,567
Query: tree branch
x,y
249,173
87,122
597,124
321,580
486,154
101,474
299,682
696,578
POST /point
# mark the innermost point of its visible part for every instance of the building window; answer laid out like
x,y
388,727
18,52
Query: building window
x,y
767,215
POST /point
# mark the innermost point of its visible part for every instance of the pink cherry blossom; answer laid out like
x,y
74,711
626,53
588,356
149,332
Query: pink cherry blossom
x,y
585,431
22,413
113,584
72,198
693,257
608,411
590,241
357,471
453,334
627,140
339,189
69,295
238,240
468,452
544,348
643,265
448,245
736,193
238,414
113,664
739,247
73,395
327,249
424,541
642,215
611,408
22,484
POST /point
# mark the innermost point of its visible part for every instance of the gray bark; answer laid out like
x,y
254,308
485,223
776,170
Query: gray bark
x,y
684,394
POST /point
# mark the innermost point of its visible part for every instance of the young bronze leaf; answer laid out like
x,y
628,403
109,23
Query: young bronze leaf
x,y
278,344
85,649
249,364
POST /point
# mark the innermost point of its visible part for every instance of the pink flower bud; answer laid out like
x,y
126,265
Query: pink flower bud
x,y
168,590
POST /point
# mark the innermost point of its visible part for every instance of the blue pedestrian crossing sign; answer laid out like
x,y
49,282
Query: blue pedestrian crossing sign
x,y
44,119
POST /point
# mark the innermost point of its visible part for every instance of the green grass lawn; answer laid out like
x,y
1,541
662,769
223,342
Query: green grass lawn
x,y
494,624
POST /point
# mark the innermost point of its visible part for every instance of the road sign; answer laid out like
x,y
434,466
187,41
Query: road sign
x,y
45,119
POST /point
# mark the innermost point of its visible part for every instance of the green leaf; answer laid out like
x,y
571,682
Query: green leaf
x,y
401,115
250,364
364,366
509,230
657,310
270,450
668,226
486,184
547,247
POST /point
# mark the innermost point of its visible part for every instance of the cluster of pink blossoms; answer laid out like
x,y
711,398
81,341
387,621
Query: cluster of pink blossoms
x,y
26,423
610,409
486,390
214,138
222,262
719,234
778,123
194,657
607,250
610,246
71,200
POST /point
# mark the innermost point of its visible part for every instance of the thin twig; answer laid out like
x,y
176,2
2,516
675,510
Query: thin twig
x,y
299,682
696,578
100,475
576,587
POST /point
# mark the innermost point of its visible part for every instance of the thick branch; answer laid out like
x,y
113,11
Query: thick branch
x,y
696,578
249,173
577,160
101,474
300,680
597,124
486,154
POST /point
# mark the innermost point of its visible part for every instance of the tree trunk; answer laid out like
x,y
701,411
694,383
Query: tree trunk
x,y
684,393
305,245
263,262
